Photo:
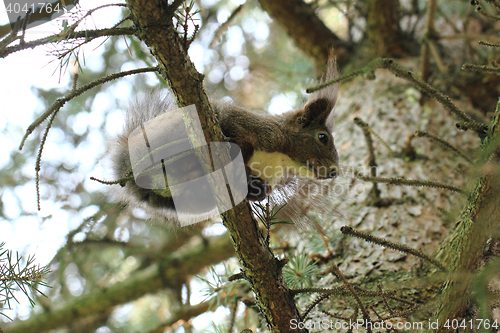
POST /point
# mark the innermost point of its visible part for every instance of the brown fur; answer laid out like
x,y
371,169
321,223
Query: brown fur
x,y
293,133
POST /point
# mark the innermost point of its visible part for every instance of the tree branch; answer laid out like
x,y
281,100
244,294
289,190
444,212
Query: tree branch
x,y
429,37
383,31
57,38
307,30
185,314
59,103
168,273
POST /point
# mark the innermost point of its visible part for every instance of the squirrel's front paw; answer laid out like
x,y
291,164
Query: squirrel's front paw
x,y
258,189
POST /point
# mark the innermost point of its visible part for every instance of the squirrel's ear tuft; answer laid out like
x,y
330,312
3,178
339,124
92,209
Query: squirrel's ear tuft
x,y
326,97
317,111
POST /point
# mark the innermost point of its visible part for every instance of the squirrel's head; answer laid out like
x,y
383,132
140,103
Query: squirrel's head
x,y
311,141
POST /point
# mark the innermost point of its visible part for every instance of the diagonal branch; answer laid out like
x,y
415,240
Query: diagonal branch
x,y
59,103
57,38
307,30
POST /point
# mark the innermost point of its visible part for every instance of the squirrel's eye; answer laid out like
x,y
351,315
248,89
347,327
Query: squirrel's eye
x,y
323,138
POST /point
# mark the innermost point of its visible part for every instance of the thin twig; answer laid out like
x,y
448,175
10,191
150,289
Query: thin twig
x,y
330,291
39,157
481,68
467,37
481,12
12,36
311,306
372,163
412,182
56,38
364,125
174,6
489,44
224,26
444,144
61,101
338,273
334,315
232,318
403,313
369,72
385,300
398,247
25,26
448,20
437,57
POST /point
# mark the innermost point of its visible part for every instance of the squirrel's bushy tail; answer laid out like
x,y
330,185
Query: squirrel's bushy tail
x,y
144,108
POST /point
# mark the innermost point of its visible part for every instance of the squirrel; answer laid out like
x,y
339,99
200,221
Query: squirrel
x,y
276,149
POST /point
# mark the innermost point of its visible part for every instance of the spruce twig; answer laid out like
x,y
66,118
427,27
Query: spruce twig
x,y
232,318
12,36
374,195
224,26
330,291
495,4
16,276
365,126
384,299
54,108
481,68
387,293
398,247
25,26
403,313
334,315
481,12
89,35
369,72
338,273
489,44
412,182
443,143
121,181
39,157
311,306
